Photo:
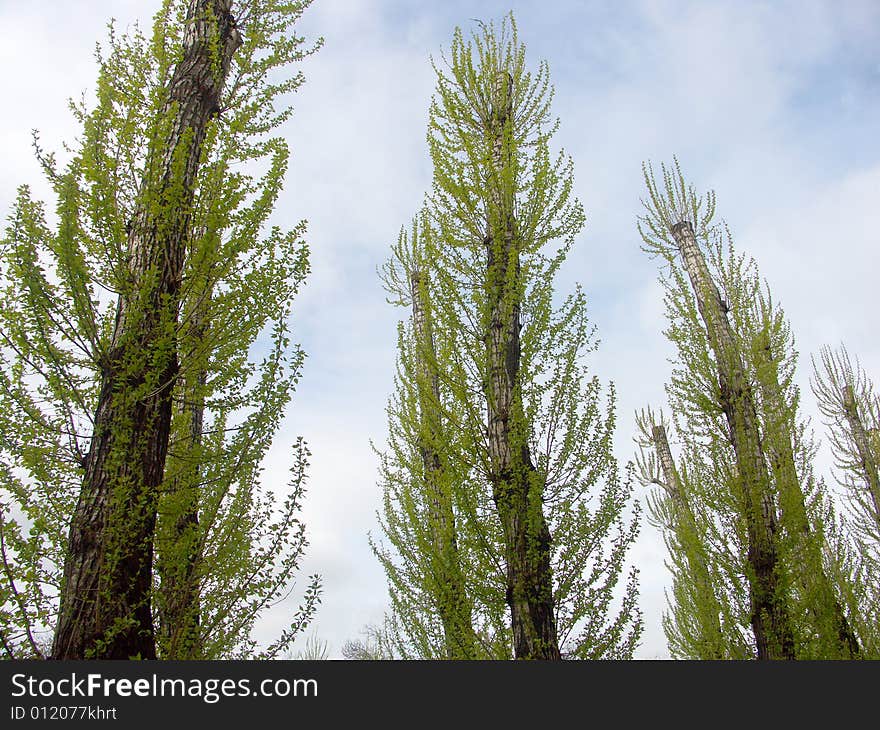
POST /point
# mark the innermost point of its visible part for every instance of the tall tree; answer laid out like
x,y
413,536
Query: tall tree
x,y
790,453
851,408
734,395
672,217
105,594
419,475
536,491
847,400
698,623
153,210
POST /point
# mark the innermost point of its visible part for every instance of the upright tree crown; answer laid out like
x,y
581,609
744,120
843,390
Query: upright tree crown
x,y
525,443
148,297
746,527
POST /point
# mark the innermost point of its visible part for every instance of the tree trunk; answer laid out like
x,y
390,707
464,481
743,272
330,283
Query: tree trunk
x,y
178,541
771,623
712,637
867,460
671,481
808,557
516,484
452,598
105,608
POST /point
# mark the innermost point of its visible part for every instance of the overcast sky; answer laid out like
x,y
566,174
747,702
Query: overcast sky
x,y
774,105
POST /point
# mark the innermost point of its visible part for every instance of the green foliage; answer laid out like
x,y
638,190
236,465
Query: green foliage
x,y
67,280
851,410
409,520
701,623
708,546
567,429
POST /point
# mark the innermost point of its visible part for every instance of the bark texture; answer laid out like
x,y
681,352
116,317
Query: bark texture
x,y
671,480
452,596
517,486
770,620
105,610
808,557
867,460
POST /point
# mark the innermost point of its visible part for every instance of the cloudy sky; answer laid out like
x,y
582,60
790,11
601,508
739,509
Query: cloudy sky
x,y
774,105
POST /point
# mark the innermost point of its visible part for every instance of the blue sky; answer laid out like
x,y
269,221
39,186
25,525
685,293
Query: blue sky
x,y
774,105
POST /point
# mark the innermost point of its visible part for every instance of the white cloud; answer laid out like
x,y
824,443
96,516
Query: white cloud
x,y
770,104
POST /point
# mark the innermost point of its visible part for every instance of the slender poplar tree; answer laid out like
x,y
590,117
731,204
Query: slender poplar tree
x,y
847,400
851,408
432,589
536,492
746,450
148,351
699,623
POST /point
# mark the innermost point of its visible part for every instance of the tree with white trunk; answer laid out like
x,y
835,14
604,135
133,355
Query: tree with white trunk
x,y
766,524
